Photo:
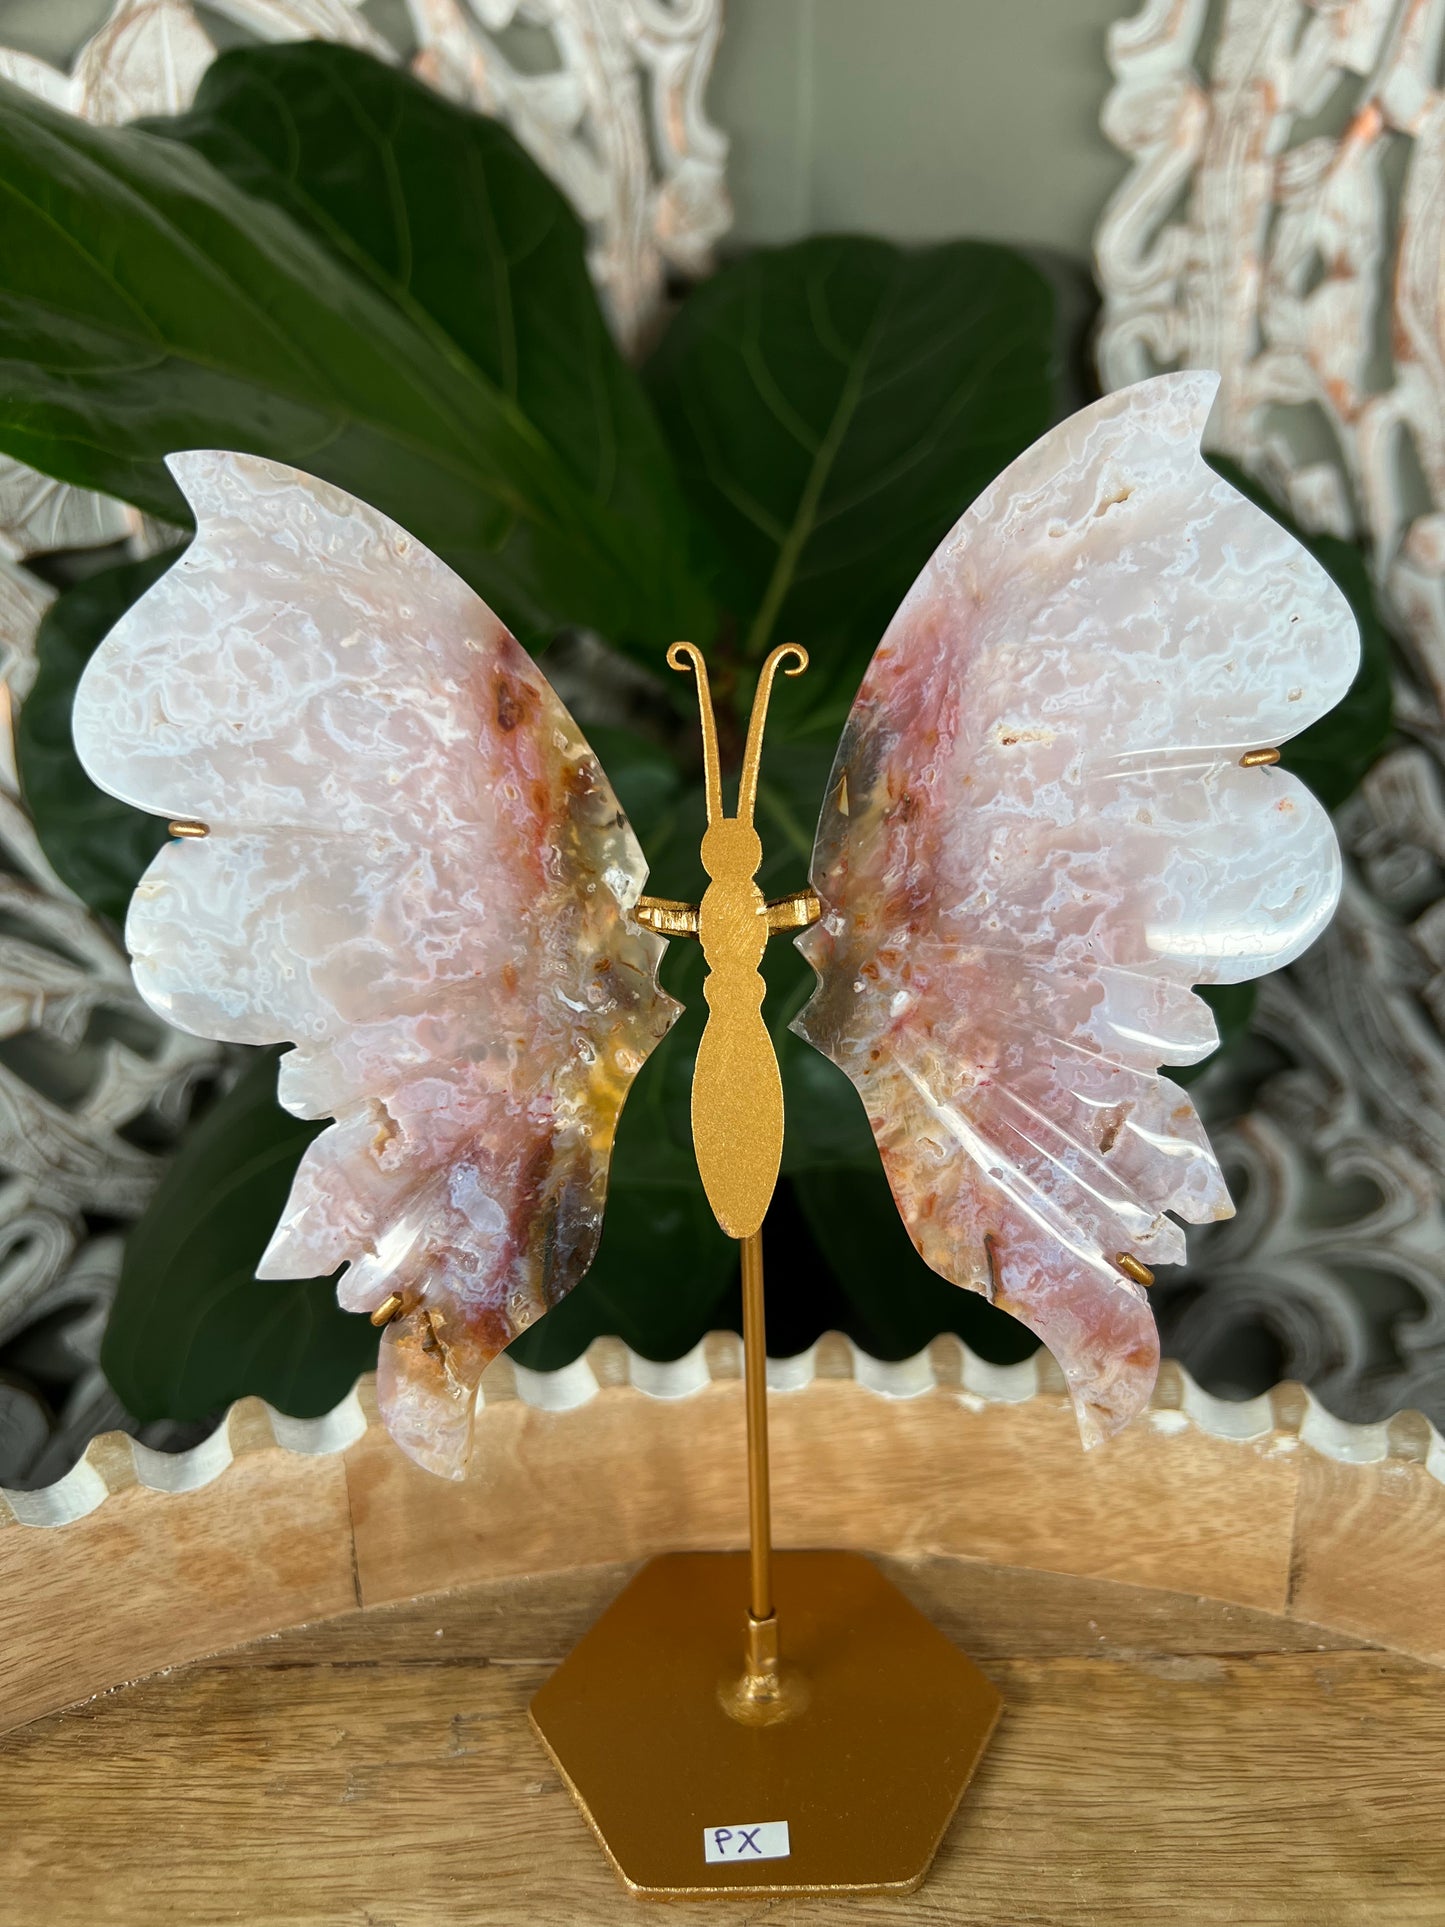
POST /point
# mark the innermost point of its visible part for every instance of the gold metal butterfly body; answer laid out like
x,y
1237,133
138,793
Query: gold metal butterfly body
x,y
737,1093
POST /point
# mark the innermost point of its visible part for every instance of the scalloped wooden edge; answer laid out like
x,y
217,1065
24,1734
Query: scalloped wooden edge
x,y
144,1561
114,1462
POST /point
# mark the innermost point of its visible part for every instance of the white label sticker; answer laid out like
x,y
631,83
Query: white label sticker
x,y
766,1840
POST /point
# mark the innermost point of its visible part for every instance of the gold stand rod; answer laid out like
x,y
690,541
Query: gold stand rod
x,y
762,1654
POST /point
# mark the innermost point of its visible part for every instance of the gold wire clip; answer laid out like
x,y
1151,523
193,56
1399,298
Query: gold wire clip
x,y
187,826
1134,1268
793,912
665,917
1258,758
387,1310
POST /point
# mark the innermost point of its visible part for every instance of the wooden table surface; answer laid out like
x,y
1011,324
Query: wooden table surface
x,y
1162,1759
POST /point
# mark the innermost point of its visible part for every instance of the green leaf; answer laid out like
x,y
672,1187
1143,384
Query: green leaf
x,y
826,1127
1233,1007
1334,755
94,843
191,1328
647,781
833,408
365,281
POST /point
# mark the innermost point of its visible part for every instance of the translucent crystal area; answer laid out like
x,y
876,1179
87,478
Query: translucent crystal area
x,y
417,873
1038,837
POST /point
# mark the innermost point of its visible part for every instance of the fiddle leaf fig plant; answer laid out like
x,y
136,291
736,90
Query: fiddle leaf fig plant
x,y
832,408
327,264
324,263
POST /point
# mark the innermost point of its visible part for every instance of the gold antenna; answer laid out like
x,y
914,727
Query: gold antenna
x,y
762,695
685,656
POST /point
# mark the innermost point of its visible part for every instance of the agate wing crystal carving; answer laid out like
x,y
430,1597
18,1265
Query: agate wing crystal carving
x,y
1038,837
1050,817
415,872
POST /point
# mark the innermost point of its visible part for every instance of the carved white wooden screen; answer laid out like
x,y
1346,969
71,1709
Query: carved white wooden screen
x,y
1284,222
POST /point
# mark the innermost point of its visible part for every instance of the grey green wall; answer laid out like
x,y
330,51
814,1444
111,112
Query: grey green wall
x,y
911,118
918,119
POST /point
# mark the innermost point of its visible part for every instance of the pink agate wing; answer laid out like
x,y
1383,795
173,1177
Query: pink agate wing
x,y
418,874
1038,838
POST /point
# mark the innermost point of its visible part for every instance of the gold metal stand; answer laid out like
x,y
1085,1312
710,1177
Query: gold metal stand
x,y
758,1724
762,1666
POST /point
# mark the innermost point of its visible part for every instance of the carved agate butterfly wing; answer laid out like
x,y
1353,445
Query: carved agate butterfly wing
x,y
416,872
1039,836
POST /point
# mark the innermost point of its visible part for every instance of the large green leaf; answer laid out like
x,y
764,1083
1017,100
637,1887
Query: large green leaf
x,y
362,280
1334,755
96,844
833,408
191,1328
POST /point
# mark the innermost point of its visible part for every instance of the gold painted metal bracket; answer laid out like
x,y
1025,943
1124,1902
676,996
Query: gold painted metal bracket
x,y
665,917
796,911
668,918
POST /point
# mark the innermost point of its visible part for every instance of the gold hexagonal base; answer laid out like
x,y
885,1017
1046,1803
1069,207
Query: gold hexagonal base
x,y
886,1722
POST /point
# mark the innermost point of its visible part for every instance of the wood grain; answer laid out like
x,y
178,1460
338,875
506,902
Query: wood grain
x,y
1163,1759
1369,1553
626,1477
151,1578
155,1579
